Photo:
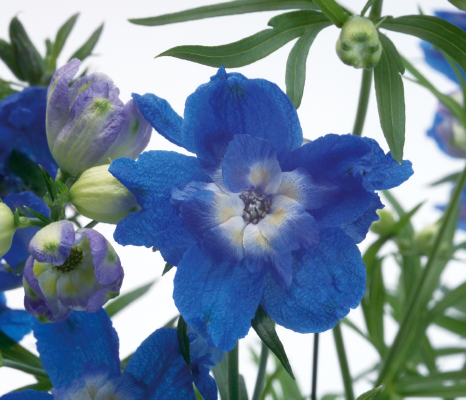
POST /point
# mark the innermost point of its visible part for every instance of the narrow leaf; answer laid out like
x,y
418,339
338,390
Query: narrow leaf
x,y
461,4
126,299
389,47
167,268
197,394
220,373
369,394
243,392
442,34
449,178
18,270
391,103
62,35
26,169
286,27
49,182
295,77
15,352
8,56
333,11
171,323
39,372
229,8
44,385
39,216
86,49
265,329
183,340
375,312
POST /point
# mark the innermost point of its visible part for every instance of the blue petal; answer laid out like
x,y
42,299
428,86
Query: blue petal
x,y
15,323
386,172
159,364
219,302
358,229
8,280
339,161
199,348
328,281
19,248
84,338
162,117
231,104
27,395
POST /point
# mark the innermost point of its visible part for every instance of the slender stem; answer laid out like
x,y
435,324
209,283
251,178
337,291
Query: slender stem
x,y
363,102
25,368
91,224
388,371
233,374
314,367
261,373
376,10
347,381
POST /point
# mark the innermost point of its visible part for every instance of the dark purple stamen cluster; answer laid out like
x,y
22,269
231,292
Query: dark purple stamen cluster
x,y
256,206
72,262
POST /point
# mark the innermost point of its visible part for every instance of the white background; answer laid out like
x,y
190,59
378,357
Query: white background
x,y
126,53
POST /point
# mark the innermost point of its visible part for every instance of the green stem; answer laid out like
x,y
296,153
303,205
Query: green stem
x,y
233,374
25,368
91,224
315,358
261,373
363,102
376,10
347,381
388,372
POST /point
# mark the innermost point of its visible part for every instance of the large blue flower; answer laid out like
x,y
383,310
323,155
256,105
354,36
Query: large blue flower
x,y
14,323
434,57
22,127
80,355
19,248
257,217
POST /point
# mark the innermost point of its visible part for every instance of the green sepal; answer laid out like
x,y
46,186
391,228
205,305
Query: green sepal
x,y
167,268
49,183
86,49
229,8
197,394
369,394
39,216
8,56
126,299
62,187
18,270
62,36
29,60
390,100
461,4
286,27
265,329
333,11
183,340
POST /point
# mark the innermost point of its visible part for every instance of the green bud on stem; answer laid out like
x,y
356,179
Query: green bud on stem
x,y
7,228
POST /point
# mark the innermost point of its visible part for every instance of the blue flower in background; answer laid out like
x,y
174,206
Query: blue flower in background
x,y
14,323
22,127
80,355
19,248
257,217
434,57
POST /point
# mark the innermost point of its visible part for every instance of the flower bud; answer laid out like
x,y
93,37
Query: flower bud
x,y
87,123
7,228
69,270
385,223
358,44
98,195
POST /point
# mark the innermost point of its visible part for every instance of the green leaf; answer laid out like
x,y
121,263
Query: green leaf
x,y
86,49
171,323
39,216
390,48
38,372
167,268
265,329
229,8
220,372
18,270
183,340
197,394
62,187
30,173
443,35
449,178
289,387
461,4
286,27
390,102
29,60
374,311
451,324
243,392
295,76
333,11
8,56
449,351
5,89
44,385
369,394
126,299
49,183
62,35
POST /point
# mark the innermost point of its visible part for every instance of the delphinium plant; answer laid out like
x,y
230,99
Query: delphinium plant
x,y
261,224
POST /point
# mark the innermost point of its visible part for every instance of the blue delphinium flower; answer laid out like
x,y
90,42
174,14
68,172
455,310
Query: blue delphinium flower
x,y
13,323
434,57
19,248
87,123
22,127
257,217
80,355
69,270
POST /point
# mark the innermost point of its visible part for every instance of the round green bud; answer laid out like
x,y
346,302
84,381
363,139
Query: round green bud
x,y
98,195
358,44
7,228
385,223
424,240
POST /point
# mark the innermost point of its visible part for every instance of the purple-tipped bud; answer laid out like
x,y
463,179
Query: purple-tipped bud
x,y
87,123
80,273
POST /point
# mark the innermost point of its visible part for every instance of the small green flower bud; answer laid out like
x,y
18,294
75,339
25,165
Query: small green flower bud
x,y
98,195
358,44
424,240
385,224
7,228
